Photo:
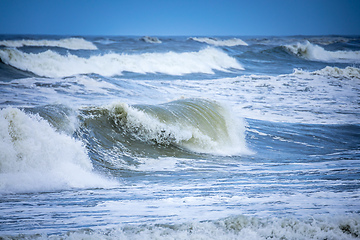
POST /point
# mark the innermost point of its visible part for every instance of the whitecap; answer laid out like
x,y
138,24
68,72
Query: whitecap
x,y
52,64
348,72
216,42
68,43
34,157
314,52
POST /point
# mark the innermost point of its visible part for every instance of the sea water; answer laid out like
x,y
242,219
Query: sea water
x,y
190,137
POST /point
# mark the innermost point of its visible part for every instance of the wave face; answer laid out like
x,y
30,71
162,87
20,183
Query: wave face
x,y
197,125
34,157
68,43
216,42
314,52
52,64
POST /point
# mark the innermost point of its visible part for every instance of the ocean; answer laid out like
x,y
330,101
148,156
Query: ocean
x,y
130,137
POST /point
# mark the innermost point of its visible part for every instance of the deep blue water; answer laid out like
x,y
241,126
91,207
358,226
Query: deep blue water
x,y
180,137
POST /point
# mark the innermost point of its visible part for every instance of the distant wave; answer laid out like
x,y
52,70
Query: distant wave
x,y
314,52
348,72
34,157
329,40
52,64
150,39
216,42
68,43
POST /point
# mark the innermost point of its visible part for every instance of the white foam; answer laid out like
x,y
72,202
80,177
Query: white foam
x,y
216,42
68,43
52,64
34,157
314,52
52,90
236,227
326,96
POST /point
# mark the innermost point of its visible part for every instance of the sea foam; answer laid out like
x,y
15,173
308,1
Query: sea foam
x,y
335,72
68,43
34,157
52,64
314,52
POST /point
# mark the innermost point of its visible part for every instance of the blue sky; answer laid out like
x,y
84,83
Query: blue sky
x,y
185,17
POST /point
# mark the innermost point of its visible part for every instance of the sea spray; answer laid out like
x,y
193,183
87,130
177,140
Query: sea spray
x,y
34,157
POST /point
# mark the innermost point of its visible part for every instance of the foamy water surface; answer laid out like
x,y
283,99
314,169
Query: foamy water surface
x,y
179,137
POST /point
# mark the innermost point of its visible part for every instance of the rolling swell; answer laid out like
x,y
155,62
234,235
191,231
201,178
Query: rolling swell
x,y
52,64
121,132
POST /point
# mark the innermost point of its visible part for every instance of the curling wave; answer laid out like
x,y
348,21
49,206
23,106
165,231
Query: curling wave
x,y
68,43
52,64
314,52
198,125
216,42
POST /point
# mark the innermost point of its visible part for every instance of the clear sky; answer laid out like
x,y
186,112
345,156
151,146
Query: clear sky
x,y
180,17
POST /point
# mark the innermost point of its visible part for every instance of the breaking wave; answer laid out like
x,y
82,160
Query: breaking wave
x,y
68,43
216,42
52,64
197,125
34,157
236,227
314,52
348,72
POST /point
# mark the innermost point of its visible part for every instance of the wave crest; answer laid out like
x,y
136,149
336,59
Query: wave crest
x,y
216,42
314,52
52,64
68,43
348,72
